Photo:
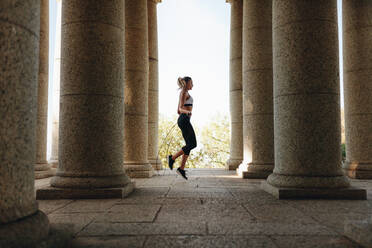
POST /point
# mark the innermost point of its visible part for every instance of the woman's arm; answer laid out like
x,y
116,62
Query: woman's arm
x,y
181,102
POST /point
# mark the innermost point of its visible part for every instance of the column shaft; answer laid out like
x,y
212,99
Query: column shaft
x,y
258,130
91,102
42,168
236,108
357,52
307,103
153,97
21,224
136,90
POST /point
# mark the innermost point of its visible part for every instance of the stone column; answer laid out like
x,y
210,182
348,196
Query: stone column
x,y
236,108
136,90
258,122
153,97
91,103
21,223
56,89
42,168
307,103
357,37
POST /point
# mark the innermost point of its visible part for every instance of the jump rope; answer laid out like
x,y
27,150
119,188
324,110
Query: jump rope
x,y
168,145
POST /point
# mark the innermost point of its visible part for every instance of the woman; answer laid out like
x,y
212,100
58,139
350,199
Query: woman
x,y
184,110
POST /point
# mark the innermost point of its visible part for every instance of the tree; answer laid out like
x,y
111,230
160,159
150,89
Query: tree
x,y
216,141
213,144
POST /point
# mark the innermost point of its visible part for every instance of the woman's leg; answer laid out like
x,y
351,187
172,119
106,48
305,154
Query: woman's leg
x,y
190,139
179,153
183,162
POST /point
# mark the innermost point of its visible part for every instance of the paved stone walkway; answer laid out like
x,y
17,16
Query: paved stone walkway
x,y
214,208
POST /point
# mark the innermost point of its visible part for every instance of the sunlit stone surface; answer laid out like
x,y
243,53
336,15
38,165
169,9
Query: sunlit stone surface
x,y
42,168
21,223
306,100
214,208
92,102
153,97
358,87
236,107
136,89
258,124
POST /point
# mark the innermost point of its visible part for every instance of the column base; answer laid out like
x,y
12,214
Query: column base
x,y
349,193
233,164
53,163
137,170
26,232
42,167
53,193
357,170
45,174
255,171
360,232
156,164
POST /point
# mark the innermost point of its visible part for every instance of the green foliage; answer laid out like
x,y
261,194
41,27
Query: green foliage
x,y
213,144
215,138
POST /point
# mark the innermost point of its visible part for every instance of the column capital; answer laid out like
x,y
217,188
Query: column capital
x,y
232,1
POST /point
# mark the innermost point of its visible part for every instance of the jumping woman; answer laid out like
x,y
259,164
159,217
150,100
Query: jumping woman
x,y
184,110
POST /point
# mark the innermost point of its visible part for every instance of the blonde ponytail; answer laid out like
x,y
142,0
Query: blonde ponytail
x,y
181,83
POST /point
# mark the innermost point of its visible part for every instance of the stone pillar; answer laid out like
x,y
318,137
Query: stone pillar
x,y
153,97
136,90
307,103
56,89
357,41
91,103
258,122
21,223
42,168
236,108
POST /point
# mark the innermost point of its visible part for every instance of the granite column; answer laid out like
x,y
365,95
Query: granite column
x,y
236,108
21,223
258,122
153,97
42,168
91,103
357,53
307,103
136,90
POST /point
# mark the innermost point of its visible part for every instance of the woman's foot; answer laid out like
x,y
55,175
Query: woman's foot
x,y
182,173
170,162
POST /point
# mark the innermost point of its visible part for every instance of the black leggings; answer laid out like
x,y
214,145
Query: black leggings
x,y
187,133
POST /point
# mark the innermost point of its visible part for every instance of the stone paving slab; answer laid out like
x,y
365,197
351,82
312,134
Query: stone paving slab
x,y
79,220
88,206
215,208
313,241
337,221
130,213
168,228
278,213
260,228
209,241
332,206
49,206
109,242
211,212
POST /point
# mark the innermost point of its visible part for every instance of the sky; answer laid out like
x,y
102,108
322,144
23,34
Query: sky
x,y
193,40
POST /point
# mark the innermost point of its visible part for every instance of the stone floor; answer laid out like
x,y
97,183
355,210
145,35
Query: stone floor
x,y
214,208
